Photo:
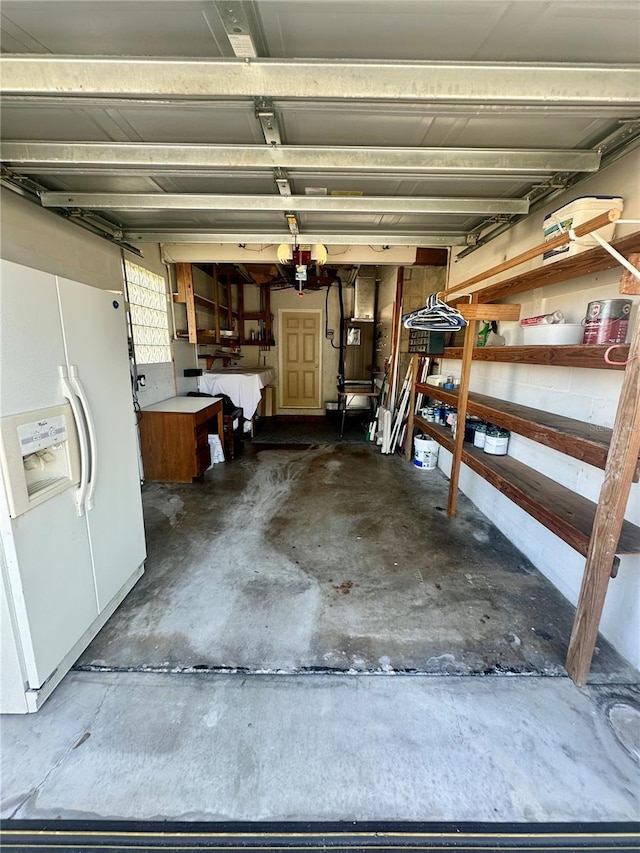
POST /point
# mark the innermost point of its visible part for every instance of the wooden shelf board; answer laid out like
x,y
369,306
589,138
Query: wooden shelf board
x,y
205,338
587,442
566,355
204,302
568,515
199,300
585,263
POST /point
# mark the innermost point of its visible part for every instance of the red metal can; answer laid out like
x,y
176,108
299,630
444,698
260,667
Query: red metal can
x,y
607,321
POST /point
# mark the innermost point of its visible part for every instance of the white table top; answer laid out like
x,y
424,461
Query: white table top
x,y
181,405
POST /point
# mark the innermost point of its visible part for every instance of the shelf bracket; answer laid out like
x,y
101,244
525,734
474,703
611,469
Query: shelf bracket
x,y
615,567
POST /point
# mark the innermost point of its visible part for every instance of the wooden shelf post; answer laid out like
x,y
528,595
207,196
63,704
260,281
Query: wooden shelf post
x,y
461,418
408,446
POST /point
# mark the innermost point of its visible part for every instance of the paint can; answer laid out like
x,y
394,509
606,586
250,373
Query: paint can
x,y
480,435
607,321
470,428
496,441
425,452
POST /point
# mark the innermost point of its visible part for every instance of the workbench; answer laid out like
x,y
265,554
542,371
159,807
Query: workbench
x,y
174,437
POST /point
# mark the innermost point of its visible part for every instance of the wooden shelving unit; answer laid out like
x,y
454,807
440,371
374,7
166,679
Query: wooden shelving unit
x,y
263,318
597,531
218,312
568,515
584,441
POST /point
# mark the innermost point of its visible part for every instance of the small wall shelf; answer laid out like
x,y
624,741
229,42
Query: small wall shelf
x,y
566,355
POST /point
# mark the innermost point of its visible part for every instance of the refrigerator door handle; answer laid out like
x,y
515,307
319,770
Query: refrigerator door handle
x,y
67,391
93,444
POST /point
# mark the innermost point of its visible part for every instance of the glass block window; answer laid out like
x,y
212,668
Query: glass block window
x,y
149,318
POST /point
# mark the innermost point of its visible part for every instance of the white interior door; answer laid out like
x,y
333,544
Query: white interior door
x,y
94,326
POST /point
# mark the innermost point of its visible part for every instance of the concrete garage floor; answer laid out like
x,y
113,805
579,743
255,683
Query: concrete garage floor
x,y
334,558
310,563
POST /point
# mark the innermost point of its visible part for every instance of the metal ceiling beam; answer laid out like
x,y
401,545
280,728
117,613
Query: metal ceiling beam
x,y
285,204
522,83
237,27
341,239
319,105
327,158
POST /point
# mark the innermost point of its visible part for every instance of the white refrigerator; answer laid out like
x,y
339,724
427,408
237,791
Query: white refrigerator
x,y
71,528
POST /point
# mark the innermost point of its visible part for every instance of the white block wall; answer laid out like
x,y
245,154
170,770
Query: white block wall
x,y
585,394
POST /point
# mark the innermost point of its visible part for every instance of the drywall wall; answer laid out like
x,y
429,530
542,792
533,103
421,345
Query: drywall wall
x,y
40,239
384,320
586,394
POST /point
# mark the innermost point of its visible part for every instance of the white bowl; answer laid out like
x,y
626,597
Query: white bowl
x,y
553,333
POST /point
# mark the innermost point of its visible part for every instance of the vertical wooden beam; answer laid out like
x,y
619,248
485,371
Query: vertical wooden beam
x,y
408,440
463,397
184,277
240,313
216,299
629,284
395,340
621,463
265,298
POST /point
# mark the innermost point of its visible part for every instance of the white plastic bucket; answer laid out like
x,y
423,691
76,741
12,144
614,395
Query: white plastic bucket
x,y
577,212
425,453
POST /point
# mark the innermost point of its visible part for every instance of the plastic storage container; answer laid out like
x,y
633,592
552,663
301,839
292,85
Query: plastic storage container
x,y
577,212
552,333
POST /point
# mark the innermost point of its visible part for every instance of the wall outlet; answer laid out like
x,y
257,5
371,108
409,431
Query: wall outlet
x,y
330,334
142,380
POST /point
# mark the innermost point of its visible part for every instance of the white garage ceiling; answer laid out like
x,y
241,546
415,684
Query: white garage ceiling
x,y
405,122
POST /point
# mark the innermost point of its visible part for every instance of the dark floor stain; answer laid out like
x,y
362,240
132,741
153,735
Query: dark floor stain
x,y
345,587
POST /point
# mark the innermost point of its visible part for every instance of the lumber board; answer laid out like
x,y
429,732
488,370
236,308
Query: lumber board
x,y
488,311
563,239
463,393
609,518
580,440
184,278
567,514
565,355
629,284
585,263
